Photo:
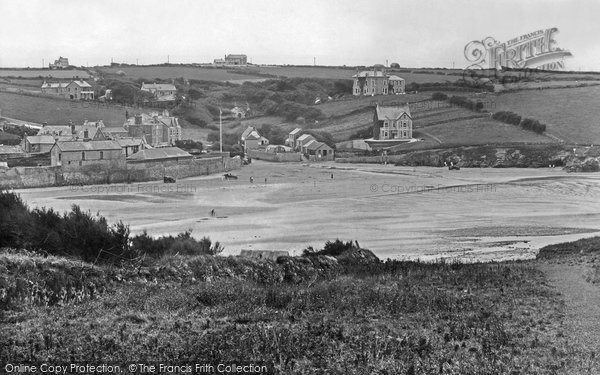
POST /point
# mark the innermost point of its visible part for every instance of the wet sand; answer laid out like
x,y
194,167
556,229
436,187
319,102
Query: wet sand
x,y
398,212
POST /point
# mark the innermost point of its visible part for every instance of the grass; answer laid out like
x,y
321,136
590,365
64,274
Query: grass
x,y
583,246
570,114
59,111
34,73
394,317
167,72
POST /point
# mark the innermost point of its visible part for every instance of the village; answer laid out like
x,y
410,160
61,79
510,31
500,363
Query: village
x,y
115,153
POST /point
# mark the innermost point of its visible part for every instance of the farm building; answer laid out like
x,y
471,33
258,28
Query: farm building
x,y
74,154
161,91
37,143
252,140
292,136
159,154
236,60
318,151
376,82
303,140
76,89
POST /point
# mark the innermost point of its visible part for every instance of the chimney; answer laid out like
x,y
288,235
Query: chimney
x,y
138,119
72,127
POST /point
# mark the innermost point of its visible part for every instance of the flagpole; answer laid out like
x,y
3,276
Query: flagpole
x,y
220,131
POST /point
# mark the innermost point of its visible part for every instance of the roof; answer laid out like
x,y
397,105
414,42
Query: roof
x,y
305,137
159,153
315,145
127,142
53,85
87,146
115,129
81,83
392,113
236,56
159,86
370,73
41,139
247,131
395,78
295,131
310,143
55,129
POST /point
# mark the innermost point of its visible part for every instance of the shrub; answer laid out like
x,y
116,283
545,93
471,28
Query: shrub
x,y
439,96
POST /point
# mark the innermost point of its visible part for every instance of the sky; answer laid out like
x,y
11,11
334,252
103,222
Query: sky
x,y
413,33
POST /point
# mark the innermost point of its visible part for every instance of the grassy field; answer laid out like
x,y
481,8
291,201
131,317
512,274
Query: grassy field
x,y
167,72
394,317
225,74
571,114
58,111
33,73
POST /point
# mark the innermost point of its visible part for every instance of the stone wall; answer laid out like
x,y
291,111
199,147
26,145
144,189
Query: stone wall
x,y
272,156
31,177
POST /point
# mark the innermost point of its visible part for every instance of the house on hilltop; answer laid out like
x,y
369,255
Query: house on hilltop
x,y
76,89
377,82
60,63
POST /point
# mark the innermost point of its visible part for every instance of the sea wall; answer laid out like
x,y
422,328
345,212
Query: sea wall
x,y
32,177
517,156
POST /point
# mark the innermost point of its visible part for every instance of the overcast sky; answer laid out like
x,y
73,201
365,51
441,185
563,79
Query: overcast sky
x,y
414,33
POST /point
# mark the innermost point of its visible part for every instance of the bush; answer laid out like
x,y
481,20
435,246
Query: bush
x,y
439,96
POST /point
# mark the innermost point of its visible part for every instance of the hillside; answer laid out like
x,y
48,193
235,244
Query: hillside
x,y
571,114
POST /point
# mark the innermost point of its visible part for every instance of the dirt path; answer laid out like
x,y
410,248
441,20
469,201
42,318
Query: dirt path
x,y
582,304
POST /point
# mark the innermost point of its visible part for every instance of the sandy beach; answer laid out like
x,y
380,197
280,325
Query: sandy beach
x,y
398,212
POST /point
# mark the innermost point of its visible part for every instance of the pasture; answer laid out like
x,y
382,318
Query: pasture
x,y
571,114
168,72
59,111
44,73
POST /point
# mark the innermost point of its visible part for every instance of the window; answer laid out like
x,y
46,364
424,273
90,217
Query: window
x,y
385,124
405,133
101,155
82,156
59,156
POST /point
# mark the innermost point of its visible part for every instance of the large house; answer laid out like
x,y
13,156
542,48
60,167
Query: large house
x,y
392,123
252,140
87,131
61,63
232,60
76,89
161,91
377,82
157,129
74,154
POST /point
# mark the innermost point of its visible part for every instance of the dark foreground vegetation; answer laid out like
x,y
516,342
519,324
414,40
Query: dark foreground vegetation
x,y
337,310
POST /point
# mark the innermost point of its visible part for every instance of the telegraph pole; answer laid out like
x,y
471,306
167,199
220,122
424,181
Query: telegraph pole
x,y
220,130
